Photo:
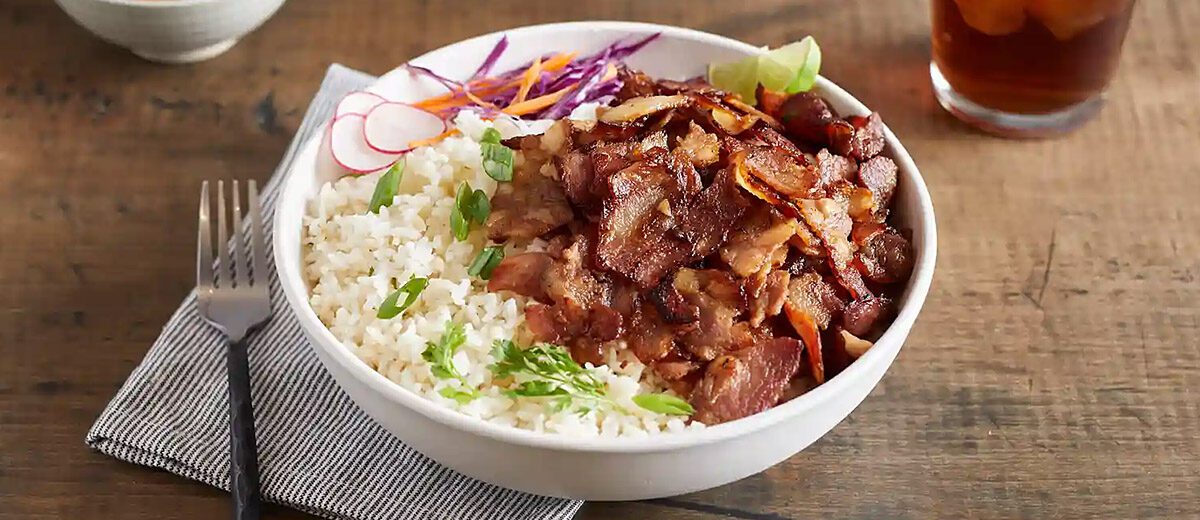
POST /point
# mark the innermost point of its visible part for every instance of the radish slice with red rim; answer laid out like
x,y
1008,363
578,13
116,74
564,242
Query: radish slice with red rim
x,y
358,103
392,127
349,148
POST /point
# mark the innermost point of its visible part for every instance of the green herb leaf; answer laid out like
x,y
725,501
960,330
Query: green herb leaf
x,y
547,371
491,135
441,354
442,372
410,290
559,404
386,188
537,389
507,355
486,261
440,357
664,403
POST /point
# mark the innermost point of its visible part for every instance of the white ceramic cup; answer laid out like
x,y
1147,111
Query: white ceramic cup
x,y
171,31
599,468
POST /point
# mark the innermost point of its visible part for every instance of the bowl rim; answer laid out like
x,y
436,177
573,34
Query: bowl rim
x,y
158,4
892,339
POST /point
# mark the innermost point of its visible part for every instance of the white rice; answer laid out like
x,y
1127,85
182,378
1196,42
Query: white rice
x,y
352,258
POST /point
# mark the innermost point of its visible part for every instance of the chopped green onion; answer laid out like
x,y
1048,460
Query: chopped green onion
x,y
497,158
497,257
411,289
664,404
463,197
490,135
386,188
486,262
497,161
480,207
459,223
469,206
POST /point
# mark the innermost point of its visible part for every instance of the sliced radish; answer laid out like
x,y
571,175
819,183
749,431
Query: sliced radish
x,y
349,148
392,127
359,103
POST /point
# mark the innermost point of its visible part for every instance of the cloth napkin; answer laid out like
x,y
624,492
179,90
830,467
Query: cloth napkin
x,y
317,451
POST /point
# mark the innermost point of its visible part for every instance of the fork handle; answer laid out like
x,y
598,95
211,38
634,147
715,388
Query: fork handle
x,y
243,468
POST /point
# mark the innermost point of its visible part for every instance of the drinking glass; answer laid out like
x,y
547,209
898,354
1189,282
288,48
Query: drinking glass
x,y
1026,68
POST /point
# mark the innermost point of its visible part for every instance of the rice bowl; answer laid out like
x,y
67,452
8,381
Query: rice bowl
x,y
595,466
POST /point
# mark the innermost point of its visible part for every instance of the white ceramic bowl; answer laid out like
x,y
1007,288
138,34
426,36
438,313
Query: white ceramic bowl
x,y
598,468
171,31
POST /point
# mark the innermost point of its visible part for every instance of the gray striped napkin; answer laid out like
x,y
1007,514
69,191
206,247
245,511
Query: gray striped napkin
x,y
318,452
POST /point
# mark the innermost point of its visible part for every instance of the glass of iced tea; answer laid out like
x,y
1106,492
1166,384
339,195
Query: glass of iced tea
x,y
1026,68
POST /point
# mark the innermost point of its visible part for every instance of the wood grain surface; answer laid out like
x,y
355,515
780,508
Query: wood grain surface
x,y
1054,373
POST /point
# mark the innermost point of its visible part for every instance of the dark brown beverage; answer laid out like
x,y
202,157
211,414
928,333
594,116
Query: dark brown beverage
x,y
1028,56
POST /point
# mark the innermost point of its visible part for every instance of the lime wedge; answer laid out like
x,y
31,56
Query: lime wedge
x,y
774,75
791,68
739,77
804,58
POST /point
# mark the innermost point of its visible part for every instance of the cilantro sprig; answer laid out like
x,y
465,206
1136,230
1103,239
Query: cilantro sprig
x,y
548,372
541,371
440,356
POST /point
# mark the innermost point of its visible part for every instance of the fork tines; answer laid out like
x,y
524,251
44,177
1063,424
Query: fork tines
x,y
238,269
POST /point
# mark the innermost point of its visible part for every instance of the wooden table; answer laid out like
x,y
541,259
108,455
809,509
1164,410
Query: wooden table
x,y
1055,370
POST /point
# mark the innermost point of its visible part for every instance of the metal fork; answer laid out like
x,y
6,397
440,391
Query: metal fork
x,y
235,299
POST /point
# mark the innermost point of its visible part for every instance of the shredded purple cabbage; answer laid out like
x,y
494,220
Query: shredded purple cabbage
x,y
584,74
446,82
588,73
490,60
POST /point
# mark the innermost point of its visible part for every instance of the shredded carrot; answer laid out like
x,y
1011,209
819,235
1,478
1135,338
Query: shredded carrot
x,y
433,140
537,103
473,92
489,86
532,74
558,61
456,98
475,99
